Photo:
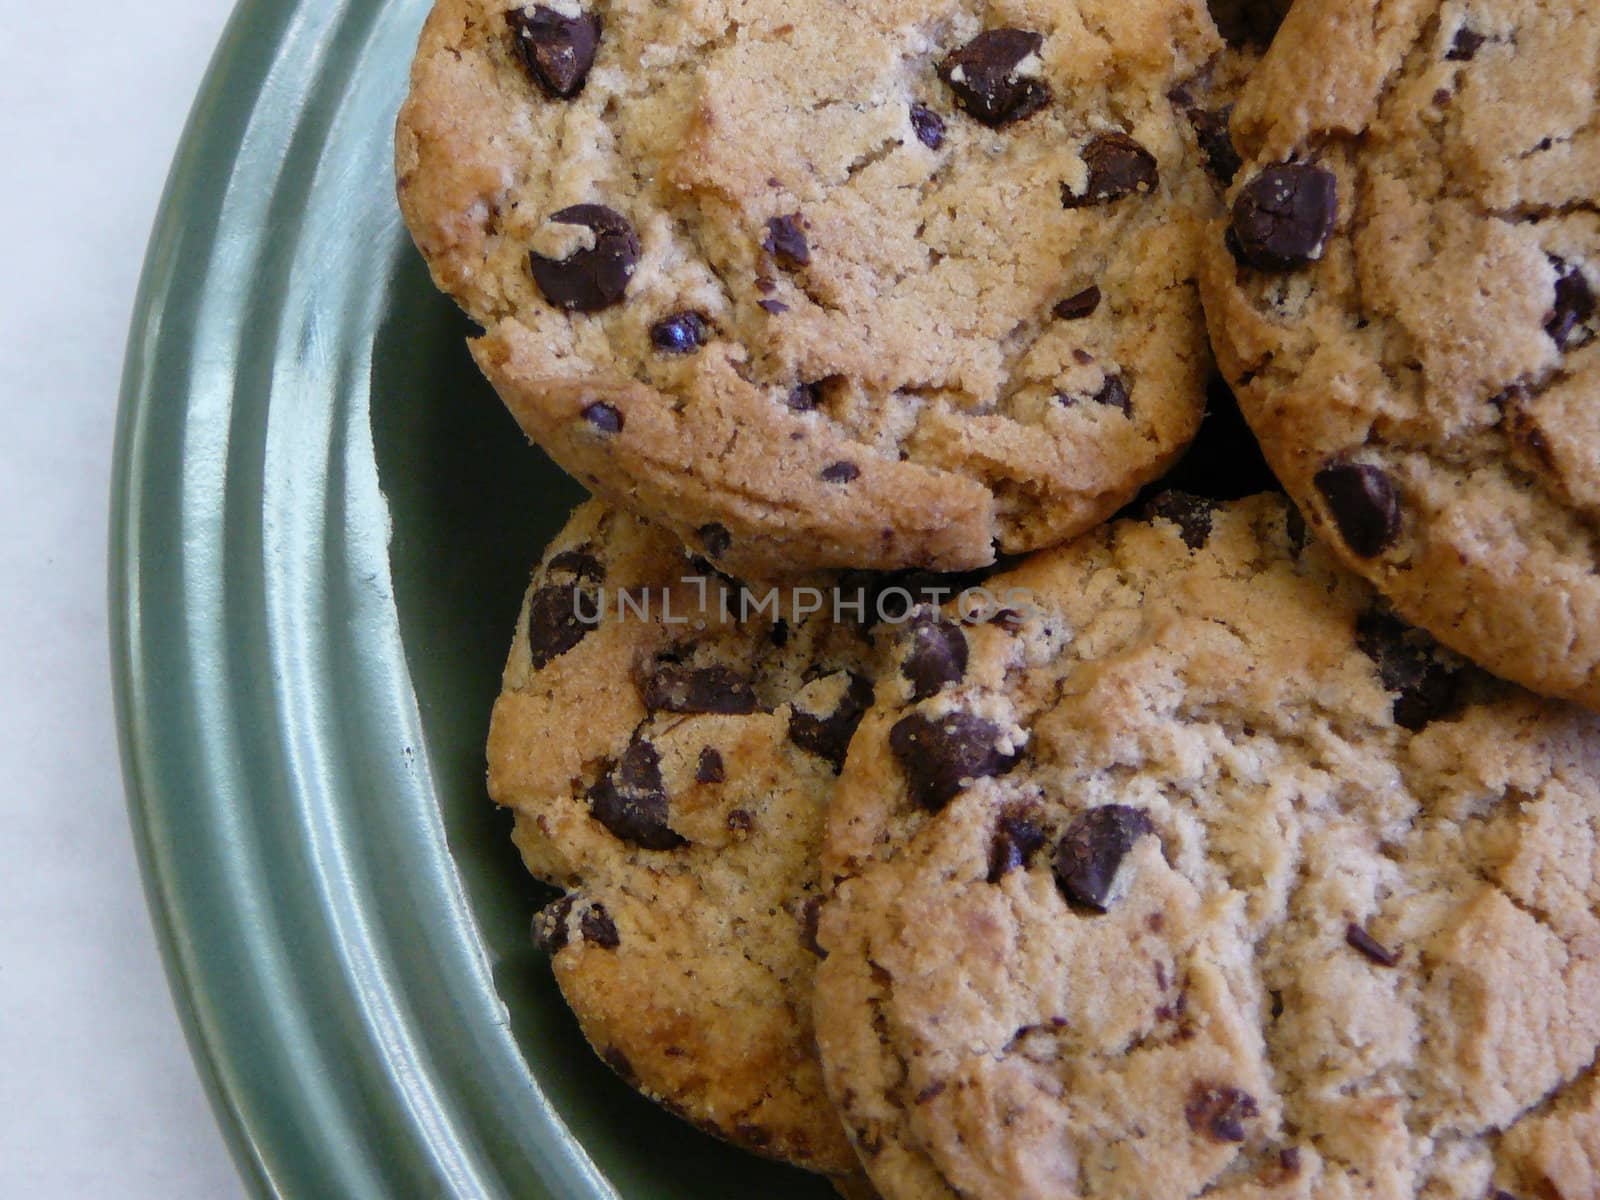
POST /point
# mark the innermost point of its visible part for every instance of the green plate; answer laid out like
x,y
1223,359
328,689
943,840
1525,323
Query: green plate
x,y
322,523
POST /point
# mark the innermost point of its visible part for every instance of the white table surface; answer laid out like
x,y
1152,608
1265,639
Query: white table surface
x,y
98,1097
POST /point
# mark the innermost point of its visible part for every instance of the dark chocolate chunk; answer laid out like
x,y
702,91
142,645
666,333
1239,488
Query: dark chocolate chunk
x,y
674,687
1567,323
550,924
1017,838
1289,1161
1118,167
618,1062
556,50
1465,45
840,472
715,538
1282,217
560,615
1092,849
592,279
1363,941
681,333
928,126
1191,514
1364,504
604,418
631,802
773,308
1078,305
710,770
1113,393
1426,688
786,241
804,397
944,756
982,74
1216,146
598,929
740,820
1219,1111
936,655
810,917
829,737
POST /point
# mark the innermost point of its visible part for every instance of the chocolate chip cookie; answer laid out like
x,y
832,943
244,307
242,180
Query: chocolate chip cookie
x,y
1404,298
1197,872
829,285
668,748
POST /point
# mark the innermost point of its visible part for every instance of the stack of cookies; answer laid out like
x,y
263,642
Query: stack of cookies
x,y
940,799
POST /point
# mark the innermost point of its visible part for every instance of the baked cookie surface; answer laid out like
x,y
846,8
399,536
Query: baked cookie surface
x,y
1404,299
1203,875
669,765
829,285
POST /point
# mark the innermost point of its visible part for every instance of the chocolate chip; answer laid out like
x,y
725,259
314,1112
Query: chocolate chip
x,y
1282,217
605,418
804,397
1191,514
778,635
1113,393
829,737
556,50
560,615
1289,1161
1009,620
1118,167
840,472
740,820
550,924
1465,45
1363,941
1219,1111
1425,687
810,918
674,687
598,929
927,125
936,656
1078,305
592,279
1364,505
631,802
577,562
681,333
1216,146
618,1062
710,770
1017,838
715,538
1092,849
773,308
982,74
786,241
944,756
1574,305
